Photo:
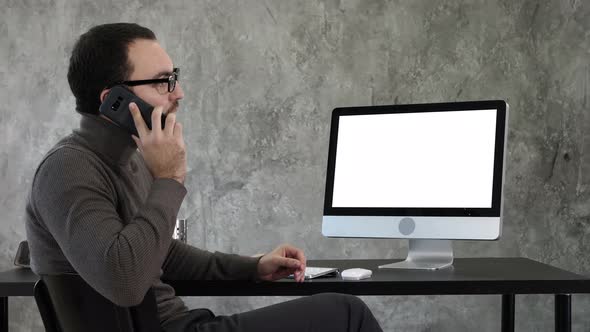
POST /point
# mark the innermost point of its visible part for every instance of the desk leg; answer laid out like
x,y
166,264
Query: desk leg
x,y
507,312
563,312
4,314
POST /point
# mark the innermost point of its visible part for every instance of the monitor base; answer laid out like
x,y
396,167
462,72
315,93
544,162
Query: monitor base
x,y
426,255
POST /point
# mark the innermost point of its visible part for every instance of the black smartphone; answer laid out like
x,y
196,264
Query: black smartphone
x,y
116,108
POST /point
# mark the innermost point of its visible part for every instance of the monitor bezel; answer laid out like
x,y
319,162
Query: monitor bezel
x,y
493,211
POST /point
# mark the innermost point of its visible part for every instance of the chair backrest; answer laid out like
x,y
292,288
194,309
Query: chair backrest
x,y
68,304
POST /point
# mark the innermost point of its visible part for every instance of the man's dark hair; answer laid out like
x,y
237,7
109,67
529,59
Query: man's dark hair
x,y
99,58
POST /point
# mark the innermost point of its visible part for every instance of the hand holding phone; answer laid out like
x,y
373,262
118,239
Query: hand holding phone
x,y
162,148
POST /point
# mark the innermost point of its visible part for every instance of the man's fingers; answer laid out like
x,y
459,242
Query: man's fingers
x,y
294,252
138,120
177,130
157,119
299,275
170,121
288,262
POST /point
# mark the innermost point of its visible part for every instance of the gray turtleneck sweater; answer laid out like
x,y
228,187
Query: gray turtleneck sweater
x,y
95,209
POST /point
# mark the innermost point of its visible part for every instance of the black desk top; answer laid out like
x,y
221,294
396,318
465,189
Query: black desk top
x,y
17,282
467,276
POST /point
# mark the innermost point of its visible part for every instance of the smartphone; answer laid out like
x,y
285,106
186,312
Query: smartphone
x,y
116,108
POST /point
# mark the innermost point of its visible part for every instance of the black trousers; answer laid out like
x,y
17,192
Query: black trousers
x,y
321,312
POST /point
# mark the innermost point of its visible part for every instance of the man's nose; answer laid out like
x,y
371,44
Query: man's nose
x,y
178,93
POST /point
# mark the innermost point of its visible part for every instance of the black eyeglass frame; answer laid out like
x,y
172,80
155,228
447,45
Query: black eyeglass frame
x,y
171,80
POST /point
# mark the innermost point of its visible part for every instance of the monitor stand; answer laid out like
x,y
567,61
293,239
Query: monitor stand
x,y
426,255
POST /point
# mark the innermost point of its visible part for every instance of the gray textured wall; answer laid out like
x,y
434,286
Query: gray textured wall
x,y
261,78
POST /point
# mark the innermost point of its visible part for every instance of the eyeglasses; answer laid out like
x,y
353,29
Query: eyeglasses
x,y
163,85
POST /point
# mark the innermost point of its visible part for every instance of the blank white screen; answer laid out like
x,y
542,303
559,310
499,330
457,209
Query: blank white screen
x,y
431,159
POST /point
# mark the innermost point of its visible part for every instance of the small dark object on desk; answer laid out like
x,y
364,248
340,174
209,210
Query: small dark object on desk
x,y
22,257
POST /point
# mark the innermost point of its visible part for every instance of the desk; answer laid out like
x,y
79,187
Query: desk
x,y
503,276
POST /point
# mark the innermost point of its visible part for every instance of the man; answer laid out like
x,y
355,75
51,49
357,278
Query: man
x,y
103,203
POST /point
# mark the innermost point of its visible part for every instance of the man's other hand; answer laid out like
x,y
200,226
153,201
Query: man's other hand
x,y
281,262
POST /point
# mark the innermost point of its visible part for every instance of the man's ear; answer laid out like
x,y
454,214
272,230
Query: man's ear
x,y
103,95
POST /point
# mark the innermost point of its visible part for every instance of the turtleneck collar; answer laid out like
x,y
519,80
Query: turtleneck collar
x,y
106,139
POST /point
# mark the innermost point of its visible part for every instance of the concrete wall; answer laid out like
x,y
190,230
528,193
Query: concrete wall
x,y
261,78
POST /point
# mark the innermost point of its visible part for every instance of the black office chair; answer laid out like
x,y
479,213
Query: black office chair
x,y
68,304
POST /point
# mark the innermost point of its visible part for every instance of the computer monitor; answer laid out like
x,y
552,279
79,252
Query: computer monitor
x,y
430,173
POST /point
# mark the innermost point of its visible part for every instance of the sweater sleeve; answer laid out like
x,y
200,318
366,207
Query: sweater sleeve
x,y
185,262
76,200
